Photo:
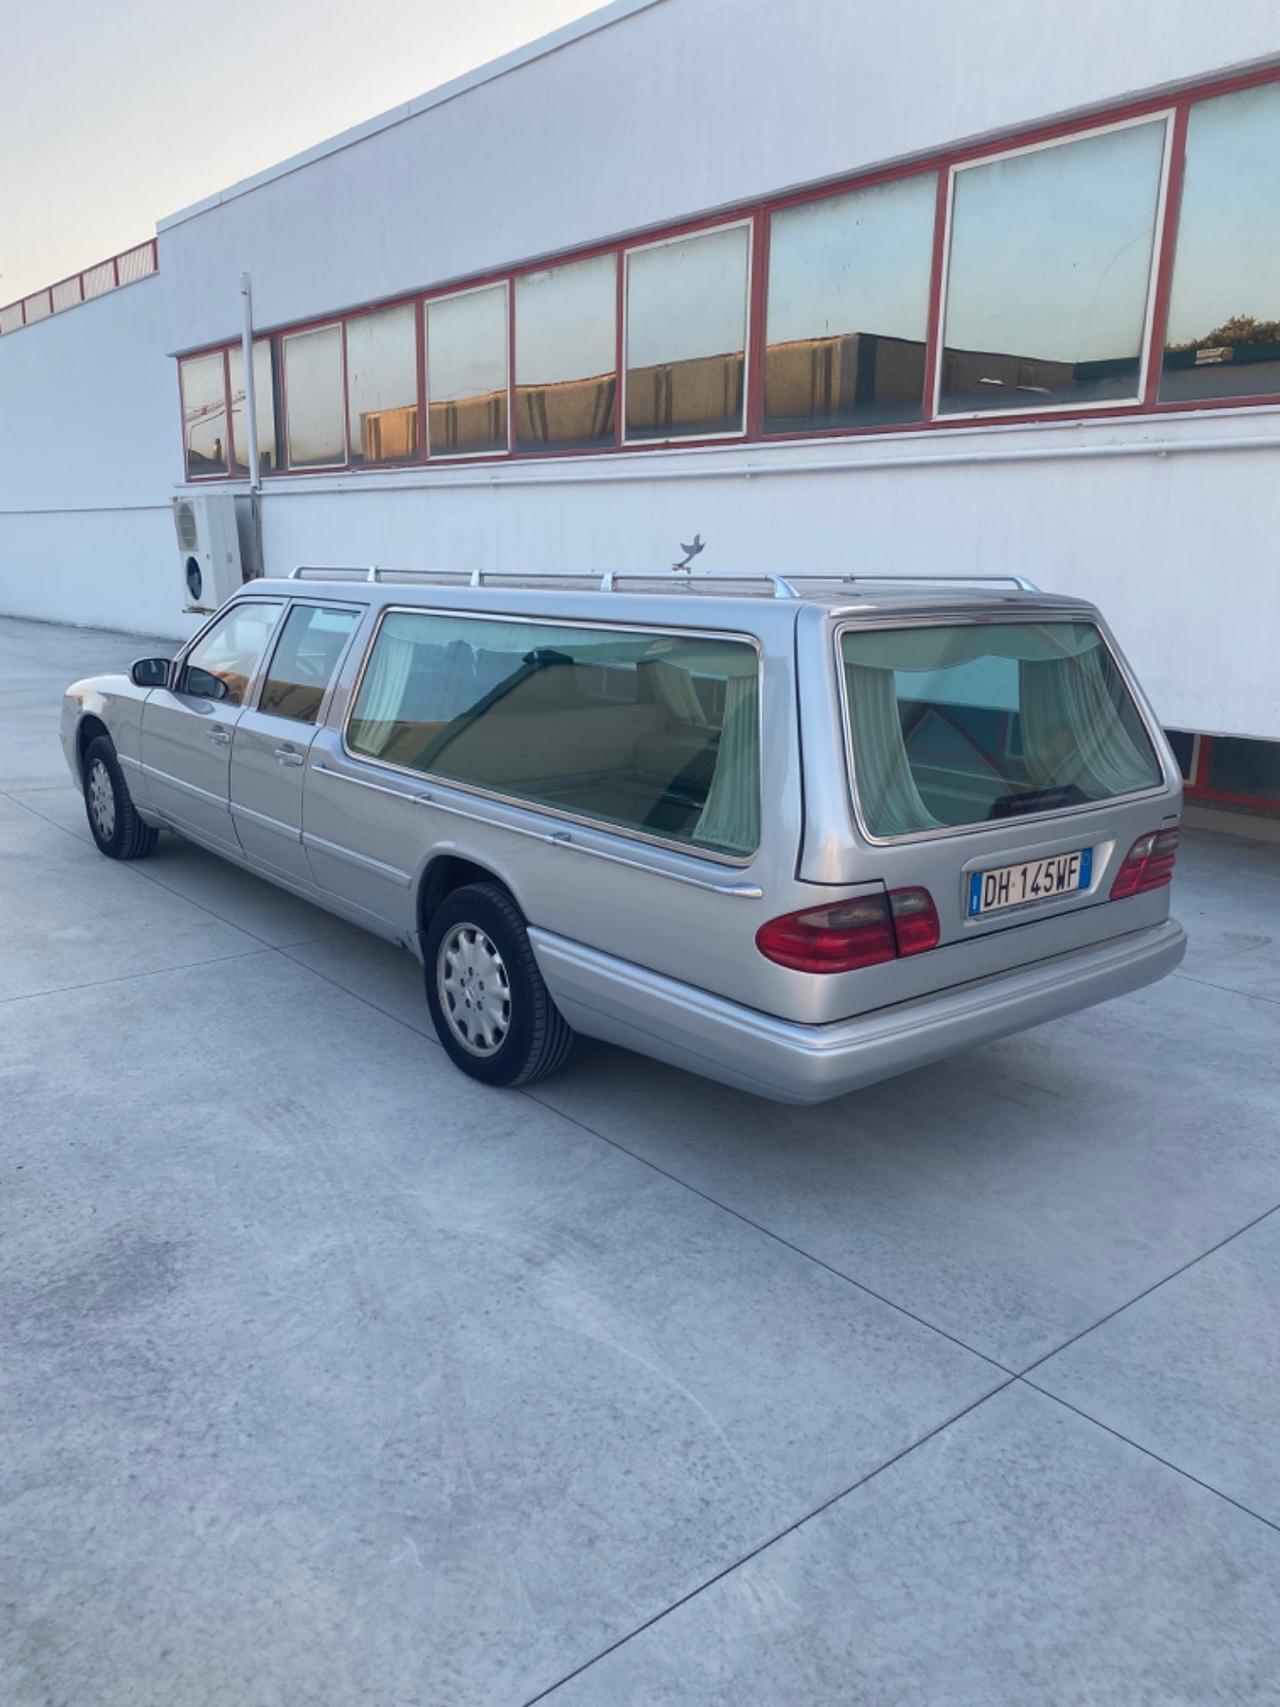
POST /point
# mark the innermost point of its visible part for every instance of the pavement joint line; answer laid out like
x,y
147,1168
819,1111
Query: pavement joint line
x,y
137,868
1146,1292
777,1237
1147,1452
130,977
1228,989
675,1179
772,1540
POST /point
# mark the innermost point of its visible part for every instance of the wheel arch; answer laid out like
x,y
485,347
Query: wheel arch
x,y
443,874
88,729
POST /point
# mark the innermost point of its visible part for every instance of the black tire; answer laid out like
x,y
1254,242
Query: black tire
x,y
119,833
533,1039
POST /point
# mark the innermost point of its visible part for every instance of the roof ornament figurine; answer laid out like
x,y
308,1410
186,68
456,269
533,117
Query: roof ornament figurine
x,y
690,552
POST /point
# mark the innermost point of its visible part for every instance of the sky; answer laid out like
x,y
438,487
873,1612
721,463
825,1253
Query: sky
x,y
114,115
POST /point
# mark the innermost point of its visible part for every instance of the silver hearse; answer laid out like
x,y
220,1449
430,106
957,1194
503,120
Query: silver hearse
x,y
797,835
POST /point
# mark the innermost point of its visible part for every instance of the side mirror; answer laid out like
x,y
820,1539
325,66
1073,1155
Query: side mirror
x,y
150,672
202,684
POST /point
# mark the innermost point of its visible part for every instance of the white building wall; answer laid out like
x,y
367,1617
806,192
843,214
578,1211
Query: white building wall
x,y
89,452
669,109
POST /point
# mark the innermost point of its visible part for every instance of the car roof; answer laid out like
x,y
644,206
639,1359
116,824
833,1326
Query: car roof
x,y
701,600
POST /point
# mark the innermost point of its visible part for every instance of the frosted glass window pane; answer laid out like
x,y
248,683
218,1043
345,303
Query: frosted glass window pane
x,y
1223,336
204,415
686,336
467,372
1049,273
848,308
264,389
566,355
313,397
382,385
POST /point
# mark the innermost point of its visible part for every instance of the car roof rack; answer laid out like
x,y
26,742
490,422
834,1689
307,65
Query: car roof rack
x,y
777,586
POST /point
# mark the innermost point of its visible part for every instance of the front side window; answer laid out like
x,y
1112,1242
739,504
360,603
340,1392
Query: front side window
x,y
204,415
306,659
653,733
687,335
233,647
382,385
313,397
264,398
467,373
848,309
566,356
1049,270
1223,336
953,726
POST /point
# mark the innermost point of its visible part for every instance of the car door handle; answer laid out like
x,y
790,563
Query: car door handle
x,y
219,737
289,756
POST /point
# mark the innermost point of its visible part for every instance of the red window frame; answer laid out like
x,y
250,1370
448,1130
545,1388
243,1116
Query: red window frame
x,y
757,214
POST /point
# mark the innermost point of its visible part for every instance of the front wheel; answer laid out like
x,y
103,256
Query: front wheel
x,y
490,1007
113,818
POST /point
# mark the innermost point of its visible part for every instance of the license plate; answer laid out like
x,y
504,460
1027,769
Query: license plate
x,y
1036,880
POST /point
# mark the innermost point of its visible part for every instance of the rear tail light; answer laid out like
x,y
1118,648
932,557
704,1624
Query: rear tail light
x,y
849,935
1147,865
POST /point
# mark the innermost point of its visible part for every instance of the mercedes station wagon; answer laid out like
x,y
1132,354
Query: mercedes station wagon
x,y
794,834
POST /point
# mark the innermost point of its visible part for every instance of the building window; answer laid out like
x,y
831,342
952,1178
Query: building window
x,y
1223,335
1049,273
848,309
686,335
646,732
566,356
204,415
467,373
313,397
382,385
264,392
1240,767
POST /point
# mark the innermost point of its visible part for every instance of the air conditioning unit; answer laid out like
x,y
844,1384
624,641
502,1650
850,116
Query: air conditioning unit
x,y
208,549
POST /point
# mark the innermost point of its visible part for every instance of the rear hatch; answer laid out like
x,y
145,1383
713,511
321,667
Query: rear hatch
x,y
1001,770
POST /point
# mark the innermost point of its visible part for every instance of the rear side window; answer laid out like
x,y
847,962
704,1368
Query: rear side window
x,y
306,658
956,726
655,733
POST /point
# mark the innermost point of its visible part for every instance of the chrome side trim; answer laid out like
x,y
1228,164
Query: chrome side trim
x,y
292,831
124,759
184,787
404,878
555,838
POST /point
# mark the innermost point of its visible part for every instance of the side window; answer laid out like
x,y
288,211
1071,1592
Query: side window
x,y
305,660
654,733
231,649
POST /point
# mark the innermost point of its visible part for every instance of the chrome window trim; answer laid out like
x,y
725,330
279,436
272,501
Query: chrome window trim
x,y
971,619
737,860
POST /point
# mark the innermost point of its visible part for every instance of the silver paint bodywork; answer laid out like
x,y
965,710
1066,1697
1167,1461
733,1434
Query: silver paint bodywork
x,y
641,942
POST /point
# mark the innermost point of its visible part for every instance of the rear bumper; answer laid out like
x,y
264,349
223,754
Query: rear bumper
x,y
612,999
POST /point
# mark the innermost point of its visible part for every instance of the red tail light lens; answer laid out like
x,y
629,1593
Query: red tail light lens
x,y
915,920
849,935
1148,864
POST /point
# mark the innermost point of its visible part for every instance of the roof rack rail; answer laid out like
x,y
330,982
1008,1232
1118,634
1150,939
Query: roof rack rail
x,y
779,586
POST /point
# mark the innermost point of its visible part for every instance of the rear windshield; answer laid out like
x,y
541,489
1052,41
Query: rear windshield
x,y
956,726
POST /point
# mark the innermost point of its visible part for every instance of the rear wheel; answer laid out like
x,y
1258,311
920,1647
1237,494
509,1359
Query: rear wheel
x,y
490,1007
113,818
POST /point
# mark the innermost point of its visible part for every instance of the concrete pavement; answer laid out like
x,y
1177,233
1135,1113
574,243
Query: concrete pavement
x,y
330,1378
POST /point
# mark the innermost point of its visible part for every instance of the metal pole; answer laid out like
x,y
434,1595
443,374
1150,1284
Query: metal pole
x,y
250,391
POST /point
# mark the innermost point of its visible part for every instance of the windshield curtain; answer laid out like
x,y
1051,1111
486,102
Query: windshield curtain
x,y
957,726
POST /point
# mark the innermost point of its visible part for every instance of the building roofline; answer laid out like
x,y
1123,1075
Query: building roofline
x,y
615,12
